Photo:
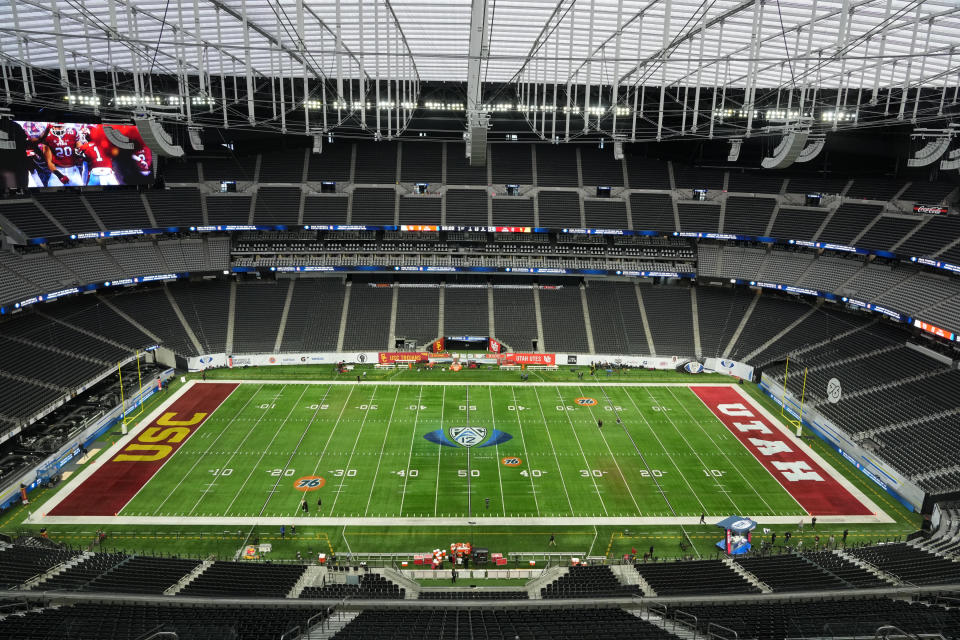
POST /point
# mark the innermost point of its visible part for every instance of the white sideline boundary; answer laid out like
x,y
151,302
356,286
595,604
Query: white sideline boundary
x,y
41,517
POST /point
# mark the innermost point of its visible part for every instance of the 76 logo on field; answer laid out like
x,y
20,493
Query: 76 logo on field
x,y
308,483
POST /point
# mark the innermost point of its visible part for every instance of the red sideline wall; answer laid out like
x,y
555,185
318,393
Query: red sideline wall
x,y
115,483
815,489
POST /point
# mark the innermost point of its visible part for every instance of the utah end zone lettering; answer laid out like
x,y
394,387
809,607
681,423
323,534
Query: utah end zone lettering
x,y
114,484
815,489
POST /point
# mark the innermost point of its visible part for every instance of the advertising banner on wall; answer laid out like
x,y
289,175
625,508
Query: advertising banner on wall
x,y
390,357
729,367
547,359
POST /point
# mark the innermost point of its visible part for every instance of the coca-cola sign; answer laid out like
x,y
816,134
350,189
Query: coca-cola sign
x,y
929,209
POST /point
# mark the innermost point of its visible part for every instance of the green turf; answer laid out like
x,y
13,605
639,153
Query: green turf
x,y
671,456
612,541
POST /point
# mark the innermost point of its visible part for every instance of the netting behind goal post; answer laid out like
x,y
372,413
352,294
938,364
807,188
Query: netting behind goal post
x,y
787,415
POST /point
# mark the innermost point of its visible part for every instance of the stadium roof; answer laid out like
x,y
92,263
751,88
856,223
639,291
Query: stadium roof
x,y
827,43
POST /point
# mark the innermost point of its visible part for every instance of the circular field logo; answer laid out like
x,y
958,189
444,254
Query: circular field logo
x,y
512,462
308,483
586,402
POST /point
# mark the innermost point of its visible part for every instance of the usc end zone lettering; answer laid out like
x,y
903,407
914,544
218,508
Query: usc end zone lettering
x,y
113,485
145,447
815,489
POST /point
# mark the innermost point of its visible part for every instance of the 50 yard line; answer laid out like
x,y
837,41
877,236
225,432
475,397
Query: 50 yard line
x,y
443,406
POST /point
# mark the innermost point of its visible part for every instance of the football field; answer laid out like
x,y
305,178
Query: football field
x,y
256,451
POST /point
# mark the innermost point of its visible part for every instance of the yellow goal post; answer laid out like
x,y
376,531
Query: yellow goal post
x,y
784,413
125,417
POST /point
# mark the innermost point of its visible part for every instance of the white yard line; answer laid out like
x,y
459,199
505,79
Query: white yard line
x,y
724,453
38,518
556,458
226,465
526,454
382,449
579,446
264,453
612,457
474,383
293,454
669,456
413,437
336,424
716,481
493,419
346,468
204,454
443,407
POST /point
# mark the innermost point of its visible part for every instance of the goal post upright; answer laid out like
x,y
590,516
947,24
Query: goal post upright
x,y
124,418
784,413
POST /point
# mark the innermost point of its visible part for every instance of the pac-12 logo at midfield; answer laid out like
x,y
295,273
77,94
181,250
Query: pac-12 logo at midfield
x,y
468,437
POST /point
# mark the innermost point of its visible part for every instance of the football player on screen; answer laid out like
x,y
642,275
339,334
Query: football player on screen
x,y
61,140
98,153
42,170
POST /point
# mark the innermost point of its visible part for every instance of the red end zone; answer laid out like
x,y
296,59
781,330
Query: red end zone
x,y
814,488
114,484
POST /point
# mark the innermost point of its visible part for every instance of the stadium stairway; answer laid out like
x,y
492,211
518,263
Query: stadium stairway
x,y
673,627
120,312
330,627
412,586
550,574
866,566
190,577
586,315
743,323
749,577
626,574
38,580
314,576
772,341
177,311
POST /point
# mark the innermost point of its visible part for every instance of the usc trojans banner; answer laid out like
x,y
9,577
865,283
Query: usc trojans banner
x,y
391,357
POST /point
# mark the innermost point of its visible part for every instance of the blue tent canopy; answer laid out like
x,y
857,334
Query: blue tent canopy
x,y
737,524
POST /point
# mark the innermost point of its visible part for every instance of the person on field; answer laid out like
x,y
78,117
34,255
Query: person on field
x,y
319,502
304,506
703,518
283,532
553,541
